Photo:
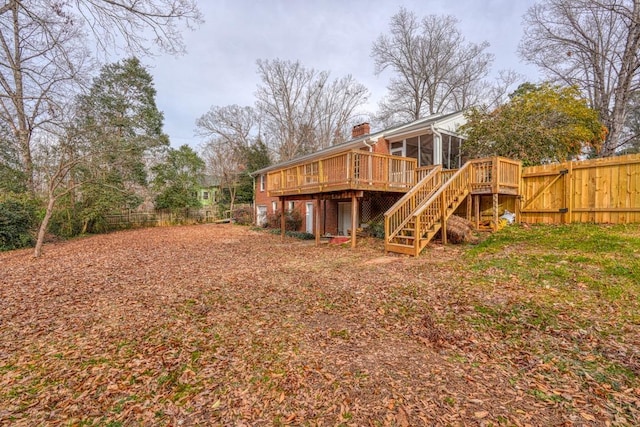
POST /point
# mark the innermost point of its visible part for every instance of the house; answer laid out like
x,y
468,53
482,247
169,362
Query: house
x,y
401,175
208,194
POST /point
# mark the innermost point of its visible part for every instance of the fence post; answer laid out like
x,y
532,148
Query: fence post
x,y
568,189
494,175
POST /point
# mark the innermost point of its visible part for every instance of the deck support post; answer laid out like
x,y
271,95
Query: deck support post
x,y
317,221
476,203
354,220
469,203
443,214
494,211
283,220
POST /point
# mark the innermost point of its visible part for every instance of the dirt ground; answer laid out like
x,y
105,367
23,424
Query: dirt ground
x,y
223,325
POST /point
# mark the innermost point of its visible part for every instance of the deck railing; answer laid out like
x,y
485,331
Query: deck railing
x,y
433,209
355,169
399,214
495,175
439,193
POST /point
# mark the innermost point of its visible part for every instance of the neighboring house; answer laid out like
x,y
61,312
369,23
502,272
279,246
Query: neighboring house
x,y
208,191
394,171
208,194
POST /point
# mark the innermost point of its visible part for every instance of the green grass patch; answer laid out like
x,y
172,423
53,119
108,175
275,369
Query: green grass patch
x,y
572,289
604,259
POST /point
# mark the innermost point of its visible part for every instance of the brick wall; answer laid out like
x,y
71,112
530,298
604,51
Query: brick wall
x,y
262,199
331,217
329,221
381,147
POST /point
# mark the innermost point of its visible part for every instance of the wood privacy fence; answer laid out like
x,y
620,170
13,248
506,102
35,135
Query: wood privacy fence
x,y
160,217
597,191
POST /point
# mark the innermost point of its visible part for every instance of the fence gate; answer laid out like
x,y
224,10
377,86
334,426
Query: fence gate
x,y
546,193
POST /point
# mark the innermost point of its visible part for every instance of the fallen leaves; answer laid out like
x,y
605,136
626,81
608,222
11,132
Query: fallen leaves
x,y
218,324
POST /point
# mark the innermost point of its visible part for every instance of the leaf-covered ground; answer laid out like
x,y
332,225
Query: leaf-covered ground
x,y
223,325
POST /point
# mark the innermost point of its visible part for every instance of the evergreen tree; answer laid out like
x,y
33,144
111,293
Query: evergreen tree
x,y
540,123
178,179
99,163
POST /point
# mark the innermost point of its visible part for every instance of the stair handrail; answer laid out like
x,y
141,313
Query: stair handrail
x,y
462,173
433,179
413,190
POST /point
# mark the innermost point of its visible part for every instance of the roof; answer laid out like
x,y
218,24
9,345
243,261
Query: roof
x,y
437,120
207,181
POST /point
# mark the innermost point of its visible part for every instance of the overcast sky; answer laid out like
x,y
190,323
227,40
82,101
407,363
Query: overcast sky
x,y
334,35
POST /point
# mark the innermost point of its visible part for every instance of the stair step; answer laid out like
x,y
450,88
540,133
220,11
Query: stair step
x,y
399,248
405,237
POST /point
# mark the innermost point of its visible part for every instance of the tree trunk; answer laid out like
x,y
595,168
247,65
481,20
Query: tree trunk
x,y
232,198
22,129
44,225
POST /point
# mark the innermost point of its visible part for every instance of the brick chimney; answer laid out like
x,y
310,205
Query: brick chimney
x,y
360,130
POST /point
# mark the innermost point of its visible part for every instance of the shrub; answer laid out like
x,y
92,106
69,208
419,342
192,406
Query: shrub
x,y
297,234
292,219
17,220
242,216
376,229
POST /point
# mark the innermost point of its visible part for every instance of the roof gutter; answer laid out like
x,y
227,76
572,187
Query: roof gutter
x,y
370,145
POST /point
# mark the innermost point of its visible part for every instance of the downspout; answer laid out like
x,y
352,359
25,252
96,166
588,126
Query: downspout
x,y
254,210
370,145
437,155
371,151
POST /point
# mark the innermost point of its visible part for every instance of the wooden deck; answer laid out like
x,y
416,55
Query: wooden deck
x,y
362,170
494,175
351,170
427,195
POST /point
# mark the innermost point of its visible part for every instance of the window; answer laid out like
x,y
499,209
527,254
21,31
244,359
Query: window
x,y
291,206
429,150
451,158
397,148
262,182
205,195
426,150
274,206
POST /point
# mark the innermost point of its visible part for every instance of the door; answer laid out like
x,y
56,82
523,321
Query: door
x,y
397,168
261,216
309,218
344,218
547,192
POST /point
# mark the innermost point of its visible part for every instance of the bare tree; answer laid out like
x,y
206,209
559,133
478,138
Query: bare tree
x,y
43,55
225,165
42,58
435,69
499,90
594,45
230,132
231,125
132,22
57,159
301,110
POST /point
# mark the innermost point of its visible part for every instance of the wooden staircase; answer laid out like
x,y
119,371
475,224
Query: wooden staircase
x,y
423,211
